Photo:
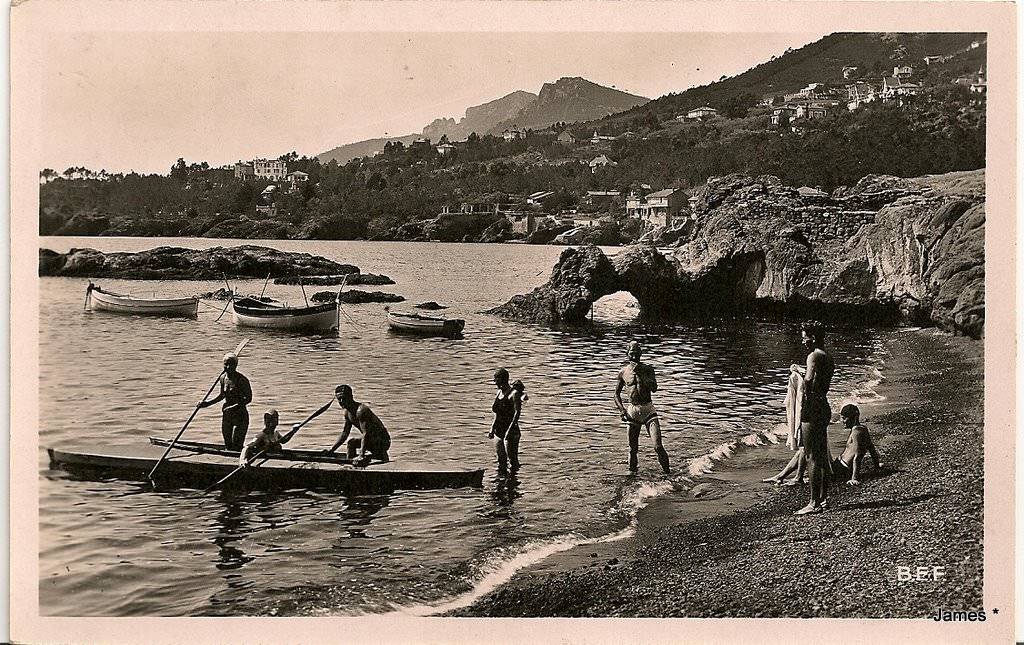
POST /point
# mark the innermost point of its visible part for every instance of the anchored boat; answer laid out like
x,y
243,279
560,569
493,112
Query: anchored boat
x,y
102,300
425,325
193,470
253,312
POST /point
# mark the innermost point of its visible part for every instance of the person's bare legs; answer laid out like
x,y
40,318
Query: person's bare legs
x,y
795,462
655,427
512,449
634,445
815,455
499,448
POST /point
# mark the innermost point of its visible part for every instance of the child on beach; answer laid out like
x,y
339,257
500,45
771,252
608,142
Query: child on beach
x,y
848,466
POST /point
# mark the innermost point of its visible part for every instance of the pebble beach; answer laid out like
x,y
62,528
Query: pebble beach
x,y
756,559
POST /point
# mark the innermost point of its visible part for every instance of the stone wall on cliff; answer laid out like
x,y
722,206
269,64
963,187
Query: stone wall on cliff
x,y
886,249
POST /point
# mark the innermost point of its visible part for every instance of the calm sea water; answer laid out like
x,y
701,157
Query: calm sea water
x,y
118,548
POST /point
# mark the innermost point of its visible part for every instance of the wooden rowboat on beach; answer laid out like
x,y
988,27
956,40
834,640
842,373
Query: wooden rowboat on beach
x,y
271,314
101,300
199,471
425,325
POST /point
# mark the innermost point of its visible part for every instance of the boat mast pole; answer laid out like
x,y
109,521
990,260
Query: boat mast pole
x,y
303,291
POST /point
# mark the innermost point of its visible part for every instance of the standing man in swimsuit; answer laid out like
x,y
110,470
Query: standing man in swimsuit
x,y
815,414
236,393
375,442
638,380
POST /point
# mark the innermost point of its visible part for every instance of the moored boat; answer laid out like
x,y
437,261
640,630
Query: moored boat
x,y
101,300
425,325
252,312
200,471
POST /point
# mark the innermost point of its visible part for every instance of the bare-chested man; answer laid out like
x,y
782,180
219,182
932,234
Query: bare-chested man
x,y
375,442
815,414
638,380
236,393
848,467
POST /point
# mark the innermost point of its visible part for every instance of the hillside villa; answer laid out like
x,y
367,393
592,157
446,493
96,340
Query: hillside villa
x,y
657,208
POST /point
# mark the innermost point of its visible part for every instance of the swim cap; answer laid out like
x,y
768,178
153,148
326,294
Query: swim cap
x,y
270,414
344,390
230,358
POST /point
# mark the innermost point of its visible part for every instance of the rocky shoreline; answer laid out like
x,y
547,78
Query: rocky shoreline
x,y
925,508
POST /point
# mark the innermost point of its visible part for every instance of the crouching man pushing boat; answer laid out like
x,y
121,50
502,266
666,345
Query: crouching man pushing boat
x,y
375,442
236,393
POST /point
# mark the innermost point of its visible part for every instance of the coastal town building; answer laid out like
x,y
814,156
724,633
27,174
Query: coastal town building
x,y
244,171
702,113
266,205
566,137
657,208
270,169
601,161
512,134
598,138
296,179
540,199
814,110
860,93
445,149
781,116
903,72
896,89
601,199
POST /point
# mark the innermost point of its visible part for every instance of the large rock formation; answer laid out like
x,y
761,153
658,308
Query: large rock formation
x,y
173,263
885,249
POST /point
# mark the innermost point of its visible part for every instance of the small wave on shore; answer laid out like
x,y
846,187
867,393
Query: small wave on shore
x,y
500,566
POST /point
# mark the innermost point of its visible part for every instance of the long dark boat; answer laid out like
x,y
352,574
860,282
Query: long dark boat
x,y
201,470
285,454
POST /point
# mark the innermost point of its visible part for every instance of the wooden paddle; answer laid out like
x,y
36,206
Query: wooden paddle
x,y
238,350
284,439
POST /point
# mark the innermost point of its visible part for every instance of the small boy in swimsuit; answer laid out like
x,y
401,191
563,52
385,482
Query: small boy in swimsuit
x,y
848,466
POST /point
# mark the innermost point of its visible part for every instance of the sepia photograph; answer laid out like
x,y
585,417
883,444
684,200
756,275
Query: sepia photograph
x,y
412,316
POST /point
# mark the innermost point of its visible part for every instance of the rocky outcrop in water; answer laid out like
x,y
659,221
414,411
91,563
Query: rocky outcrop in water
x,y
357,297
334,280
173,263
886,249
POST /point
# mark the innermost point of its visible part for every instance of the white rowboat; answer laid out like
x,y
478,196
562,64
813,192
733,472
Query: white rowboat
x,y
426,325
101,300
250,312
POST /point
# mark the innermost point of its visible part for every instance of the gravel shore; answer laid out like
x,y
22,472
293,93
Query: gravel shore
x,y
925,508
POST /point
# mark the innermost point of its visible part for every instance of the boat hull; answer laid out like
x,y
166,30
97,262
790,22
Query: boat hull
x,y
320,317
201,471
425,325
103,301
285,454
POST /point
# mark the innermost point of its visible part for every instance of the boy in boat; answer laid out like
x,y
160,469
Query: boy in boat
x,y
269,440
848,466
638,380
236,393
375,441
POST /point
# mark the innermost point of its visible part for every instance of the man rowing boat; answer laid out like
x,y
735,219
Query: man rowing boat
x,y
375,442
269,440
236,393
638,381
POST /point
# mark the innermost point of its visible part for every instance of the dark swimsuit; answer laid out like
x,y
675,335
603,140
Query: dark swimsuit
x,y
504,409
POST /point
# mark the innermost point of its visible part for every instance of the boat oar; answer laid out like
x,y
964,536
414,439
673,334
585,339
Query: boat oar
x,y
301,286
231,298
248,462
238,350
264,290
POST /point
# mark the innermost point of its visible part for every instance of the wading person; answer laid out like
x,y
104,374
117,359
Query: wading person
x,y
815,414
269,440
507,407
236,393
638,381
375,441
848,466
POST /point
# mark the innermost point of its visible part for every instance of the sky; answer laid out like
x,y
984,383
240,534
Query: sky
x,y
138,101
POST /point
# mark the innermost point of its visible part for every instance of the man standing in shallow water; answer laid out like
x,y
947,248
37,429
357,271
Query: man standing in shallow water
x,y
638,380
815,414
